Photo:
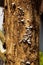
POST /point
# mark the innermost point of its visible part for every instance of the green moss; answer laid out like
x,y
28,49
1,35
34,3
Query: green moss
x,y
41,58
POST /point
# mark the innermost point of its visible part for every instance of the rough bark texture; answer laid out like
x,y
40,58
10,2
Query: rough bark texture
x,y
21,26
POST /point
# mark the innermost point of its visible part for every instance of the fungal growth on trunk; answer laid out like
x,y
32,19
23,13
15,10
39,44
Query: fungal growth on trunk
x,y
21,27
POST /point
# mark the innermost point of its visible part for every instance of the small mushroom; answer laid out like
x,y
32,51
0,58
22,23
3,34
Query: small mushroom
x,y
22,62
22,21
24,40
21,11
29,27
28,32
27,35
27,63
28,41
13,6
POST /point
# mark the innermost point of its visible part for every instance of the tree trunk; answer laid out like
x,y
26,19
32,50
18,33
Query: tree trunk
x,y
21,27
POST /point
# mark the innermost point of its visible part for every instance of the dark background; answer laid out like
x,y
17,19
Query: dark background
x,y
2,3
41,32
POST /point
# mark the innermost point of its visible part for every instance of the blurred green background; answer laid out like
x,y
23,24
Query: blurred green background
x,y
41,58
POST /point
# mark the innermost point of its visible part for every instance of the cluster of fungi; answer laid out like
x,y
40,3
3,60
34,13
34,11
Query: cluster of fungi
x,y
21,30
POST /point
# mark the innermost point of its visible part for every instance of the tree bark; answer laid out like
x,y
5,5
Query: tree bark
x,y
21,27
